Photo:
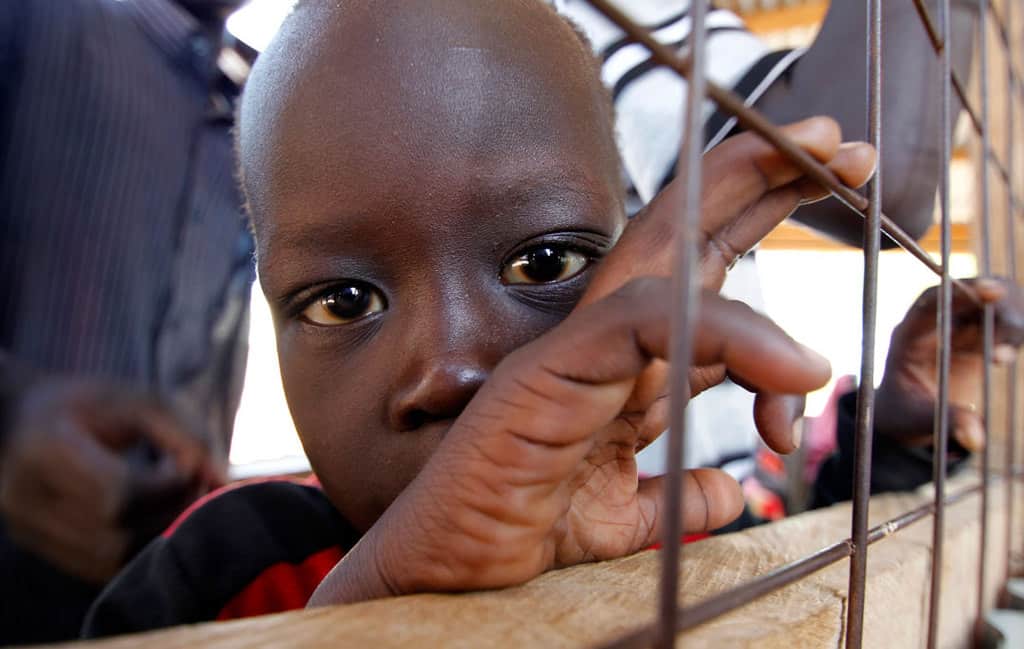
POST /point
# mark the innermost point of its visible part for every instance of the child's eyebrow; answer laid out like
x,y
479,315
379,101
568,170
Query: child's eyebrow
x,y
320,232
290,255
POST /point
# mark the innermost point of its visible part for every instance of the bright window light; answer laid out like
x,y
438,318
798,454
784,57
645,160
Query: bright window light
x,y
257,22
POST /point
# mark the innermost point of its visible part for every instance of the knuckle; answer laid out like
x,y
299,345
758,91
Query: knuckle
x,y
642,289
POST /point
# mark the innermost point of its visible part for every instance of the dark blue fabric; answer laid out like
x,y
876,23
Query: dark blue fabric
x,y
124,253
123,250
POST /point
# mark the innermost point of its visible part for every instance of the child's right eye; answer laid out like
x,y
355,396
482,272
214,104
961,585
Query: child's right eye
x,y
342,304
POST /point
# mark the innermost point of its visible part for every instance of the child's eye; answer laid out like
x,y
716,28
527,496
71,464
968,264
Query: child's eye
x,y
344,304
544,265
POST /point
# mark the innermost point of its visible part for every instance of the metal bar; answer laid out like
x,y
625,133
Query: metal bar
x,y
941,433
996,161
988,323
998,20
1003,26
939,45
1011,250
961,93
752,120
865,421
734,598
686,292
904,520
742,595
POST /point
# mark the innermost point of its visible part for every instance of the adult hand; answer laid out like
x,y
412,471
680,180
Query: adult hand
x,y
89,472
539,471
905,400
748,189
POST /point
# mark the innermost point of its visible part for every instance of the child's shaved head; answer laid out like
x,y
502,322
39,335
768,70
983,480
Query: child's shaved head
x,y
431,183
429,64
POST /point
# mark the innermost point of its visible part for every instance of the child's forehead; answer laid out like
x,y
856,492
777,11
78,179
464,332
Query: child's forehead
x,y
385,93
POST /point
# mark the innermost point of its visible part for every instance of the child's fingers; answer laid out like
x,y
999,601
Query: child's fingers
x,y
918,325
1009,310
655,421
730,234
968,429
738,172
728,243
755,349
740,177
711,499
577,377
854,164
775,416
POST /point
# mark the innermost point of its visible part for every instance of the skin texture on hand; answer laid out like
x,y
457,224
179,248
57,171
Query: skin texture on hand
x,y
463,156
587,503
540,470
905,400
89,472
749,188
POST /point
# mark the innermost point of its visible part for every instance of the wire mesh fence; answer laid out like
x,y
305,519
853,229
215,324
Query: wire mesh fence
x,y
994,159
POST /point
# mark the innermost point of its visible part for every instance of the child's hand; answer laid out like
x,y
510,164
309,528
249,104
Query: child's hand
x,y
539,471
905,401
748,189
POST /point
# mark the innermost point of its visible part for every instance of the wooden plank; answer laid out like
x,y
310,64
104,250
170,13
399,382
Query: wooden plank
x,y
791,236
764,21
585,605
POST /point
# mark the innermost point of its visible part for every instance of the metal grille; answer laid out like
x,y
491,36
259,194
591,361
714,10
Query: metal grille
x,y
673,619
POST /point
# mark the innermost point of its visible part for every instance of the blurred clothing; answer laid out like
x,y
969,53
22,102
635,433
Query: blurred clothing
x,y
123,249
124,254
269,542
894,466
650,99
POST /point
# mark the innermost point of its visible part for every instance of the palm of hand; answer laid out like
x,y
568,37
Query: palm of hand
x,y
607,517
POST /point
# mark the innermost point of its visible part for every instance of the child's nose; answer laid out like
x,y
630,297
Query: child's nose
x,y
440,391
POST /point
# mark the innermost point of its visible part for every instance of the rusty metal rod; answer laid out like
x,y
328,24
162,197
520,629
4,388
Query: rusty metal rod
x,y
1011,250
995,161
686,293
734,598
965,102
938,44
988,325
865,421
751,119
979,123
945,327
1002,29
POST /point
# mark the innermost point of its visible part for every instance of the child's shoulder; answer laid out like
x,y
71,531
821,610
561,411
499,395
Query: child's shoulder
x,y
271,503
247,549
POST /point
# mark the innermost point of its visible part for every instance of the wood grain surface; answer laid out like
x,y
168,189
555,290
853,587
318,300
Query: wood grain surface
x,y
580,607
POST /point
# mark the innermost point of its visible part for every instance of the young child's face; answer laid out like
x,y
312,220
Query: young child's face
x,y
430,184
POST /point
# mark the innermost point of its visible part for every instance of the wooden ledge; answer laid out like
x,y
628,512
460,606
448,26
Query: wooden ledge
x,y
582,606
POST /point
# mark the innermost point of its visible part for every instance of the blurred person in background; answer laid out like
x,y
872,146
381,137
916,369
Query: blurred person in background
x,y
125,270
786,85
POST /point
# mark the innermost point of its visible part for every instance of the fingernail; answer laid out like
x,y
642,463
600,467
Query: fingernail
x,y
1004,354
815,358
989,289
798,432
971,435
